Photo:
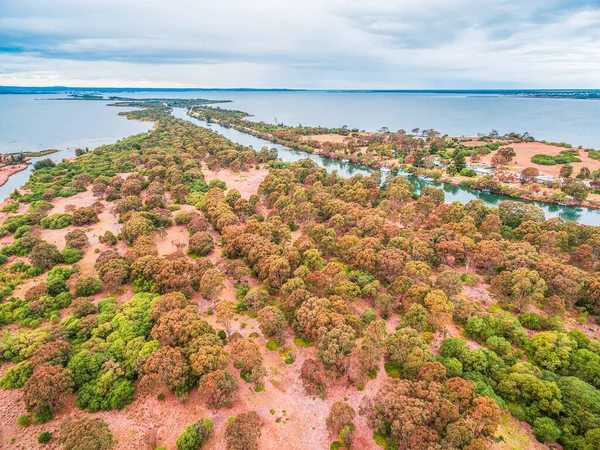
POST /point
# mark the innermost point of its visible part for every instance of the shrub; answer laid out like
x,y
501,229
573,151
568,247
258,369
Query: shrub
x,y
86,434
23,421
45,255
44,438
530,320
71,255
544,160
108,238
194,435
16,376
369,315
77,239
83,285
56,221
243,432
468,173
45,390
85,216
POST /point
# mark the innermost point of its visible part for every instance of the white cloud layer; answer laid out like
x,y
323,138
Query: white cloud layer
x,y
364,44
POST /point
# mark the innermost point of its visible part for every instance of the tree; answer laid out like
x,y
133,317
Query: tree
x,y
195,435
449,281
206,353
440,309
415,317
522,286
427,414
201,244
391,262
340,415
576,189
409,350
243,432
459,160
246,356
335,344
584,173
44,392
499,161
219,388
507,152
546,430
551,350
529,174
225,312
514,213
566,171
272,322
136,226
313,377
167,302
167,366
211,284
85,434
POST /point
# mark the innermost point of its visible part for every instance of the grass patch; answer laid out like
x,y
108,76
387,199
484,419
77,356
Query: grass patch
x,y
380,439
272,345
392,370
301,342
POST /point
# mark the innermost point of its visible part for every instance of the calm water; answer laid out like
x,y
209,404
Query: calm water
x,y
561,120
346,169
28,123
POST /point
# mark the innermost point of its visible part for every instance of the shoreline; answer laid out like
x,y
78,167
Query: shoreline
x,y
378,165
8,171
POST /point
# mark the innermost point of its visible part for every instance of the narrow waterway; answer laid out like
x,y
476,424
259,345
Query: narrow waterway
x,y
453,193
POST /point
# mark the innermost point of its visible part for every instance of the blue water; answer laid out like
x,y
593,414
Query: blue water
x,y
346,169
560,120
37,122
27,123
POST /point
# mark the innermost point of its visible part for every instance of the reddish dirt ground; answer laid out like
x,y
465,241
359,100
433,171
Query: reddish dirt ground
x,y
526,150
245,182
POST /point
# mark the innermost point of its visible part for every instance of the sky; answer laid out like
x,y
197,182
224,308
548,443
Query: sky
x,y
311,44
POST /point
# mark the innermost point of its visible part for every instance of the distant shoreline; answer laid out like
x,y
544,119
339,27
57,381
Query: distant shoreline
x,y
579,94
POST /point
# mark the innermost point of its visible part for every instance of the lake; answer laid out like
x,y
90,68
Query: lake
x,y
38,122
560,120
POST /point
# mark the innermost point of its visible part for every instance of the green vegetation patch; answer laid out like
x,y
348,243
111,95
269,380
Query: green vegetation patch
x,y
564,157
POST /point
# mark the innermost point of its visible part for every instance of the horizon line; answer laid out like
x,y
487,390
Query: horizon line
x,y
275,89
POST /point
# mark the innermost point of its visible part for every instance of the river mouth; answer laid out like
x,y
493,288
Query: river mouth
x,y
582,215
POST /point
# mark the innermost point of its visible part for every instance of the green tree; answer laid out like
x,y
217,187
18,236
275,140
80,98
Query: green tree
x,y
195,435
409,350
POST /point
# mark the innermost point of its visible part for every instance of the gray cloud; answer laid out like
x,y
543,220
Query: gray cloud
x,y
311,44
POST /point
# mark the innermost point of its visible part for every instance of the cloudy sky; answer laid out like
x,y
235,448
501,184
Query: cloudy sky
x,y
339,44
